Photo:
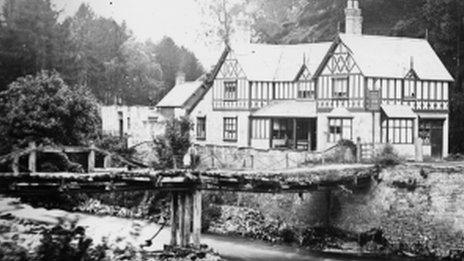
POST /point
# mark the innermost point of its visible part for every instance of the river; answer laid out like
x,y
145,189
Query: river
x,y
121,232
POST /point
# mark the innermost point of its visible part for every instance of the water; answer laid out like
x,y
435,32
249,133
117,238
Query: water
x,y
239,249
123,231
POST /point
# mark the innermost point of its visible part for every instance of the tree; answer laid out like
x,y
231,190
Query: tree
x,y
44,109
173,59
95,45
30,39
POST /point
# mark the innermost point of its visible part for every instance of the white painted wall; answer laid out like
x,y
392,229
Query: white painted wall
x,y
139,130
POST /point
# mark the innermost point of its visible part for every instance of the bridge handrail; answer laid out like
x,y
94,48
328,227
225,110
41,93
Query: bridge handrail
x,y
59,149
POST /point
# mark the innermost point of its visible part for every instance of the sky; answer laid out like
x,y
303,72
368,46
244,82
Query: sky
x,y
153,19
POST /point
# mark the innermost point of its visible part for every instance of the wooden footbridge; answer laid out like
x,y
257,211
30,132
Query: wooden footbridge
x,y
185,185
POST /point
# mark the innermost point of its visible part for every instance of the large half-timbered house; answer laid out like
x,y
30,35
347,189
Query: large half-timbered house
x,y
309,96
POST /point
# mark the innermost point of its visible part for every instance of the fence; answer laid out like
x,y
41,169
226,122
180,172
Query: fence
x,y
223,157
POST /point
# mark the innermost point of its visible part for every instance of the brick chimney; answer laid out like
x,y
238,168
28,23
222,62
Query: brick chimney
x,y
180,77
353,18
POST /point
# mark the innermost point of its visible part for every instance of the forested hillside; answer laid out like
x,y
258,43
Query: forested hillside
x,y
88,50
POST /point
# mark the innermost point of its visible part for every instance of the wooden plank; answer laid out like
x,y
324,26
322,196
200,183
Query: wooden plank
x,y
187,218
32,160
174,218
91,159
196,222
181,218
15,165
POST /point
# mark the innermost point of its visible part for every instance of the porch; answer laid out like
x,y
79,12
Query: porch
x,y
285,125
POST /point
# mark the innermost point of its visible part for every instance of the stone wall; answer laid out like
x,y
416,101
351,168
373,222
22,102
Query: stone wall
x,y
411,205
228,157
414,205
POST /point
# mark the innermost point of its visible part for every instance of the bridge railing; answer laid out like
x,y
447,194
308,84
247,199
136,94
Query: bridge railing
x,y
91,151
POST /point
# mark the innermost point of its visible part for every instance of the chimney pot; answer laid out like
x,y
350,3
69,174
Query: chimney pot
x,y
353,18
180,78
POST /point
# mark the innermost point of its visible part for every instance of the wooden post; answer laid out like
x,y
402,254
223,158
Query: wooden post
x,y
174,218
91,158
419,150
196,224
32,163
358,150
15,165
107,161
294,134
187,218
181,206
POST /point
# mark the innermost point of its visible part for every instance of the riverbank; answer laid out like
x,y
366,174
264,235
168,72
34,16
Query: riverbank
x,y
24,223
410,210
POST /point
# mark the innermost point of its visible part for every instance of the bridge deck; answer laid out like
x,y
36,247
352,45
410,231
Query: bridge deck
x,y
293,180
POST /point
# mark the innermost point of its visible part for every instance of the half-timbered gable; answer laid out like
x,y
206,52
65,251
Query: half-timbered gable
x,y
230,87
405,71
306,86
340,81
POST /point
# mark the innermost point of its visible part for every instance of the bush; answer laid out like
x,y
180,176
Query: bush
x,y
71,244
10,251
348,144
387,157
174,144
116,145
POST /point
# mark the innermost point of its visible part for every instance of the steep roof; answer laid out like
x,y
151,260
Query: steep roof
x,y
180,94
265,62
385,56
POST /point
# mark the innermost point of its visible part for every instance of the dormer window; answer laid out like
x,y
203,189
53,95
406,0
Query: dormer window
x,y
306,90
409,89
410,85
230,90
340,87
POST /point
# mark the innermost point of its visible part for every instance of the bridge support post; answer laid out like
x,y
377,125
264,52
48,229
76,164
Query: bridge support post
x,y
196,224
32,160
91,158
174,217
186,218
15,165
107,161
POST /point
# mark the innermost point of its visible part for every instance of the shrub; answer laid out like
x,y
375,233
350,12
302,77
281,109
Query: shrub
x,y
387,157
174,144
10,251
59,243
348,144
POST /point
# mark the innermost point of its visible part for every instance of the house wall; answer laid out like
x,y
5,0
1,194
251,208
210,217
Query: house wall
x,y
215,124
136,122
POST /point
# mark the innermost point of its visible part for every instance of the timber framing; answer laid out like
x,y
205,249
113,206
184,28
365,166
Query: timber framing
x,y
286,181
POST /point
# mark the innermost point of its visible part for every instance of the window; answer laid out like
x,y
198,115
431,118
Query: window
x,y
397,131
201,128
340,88
282,133
425,128
306,90
282,129
128,123
230,129
230,91
409,89
340,128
